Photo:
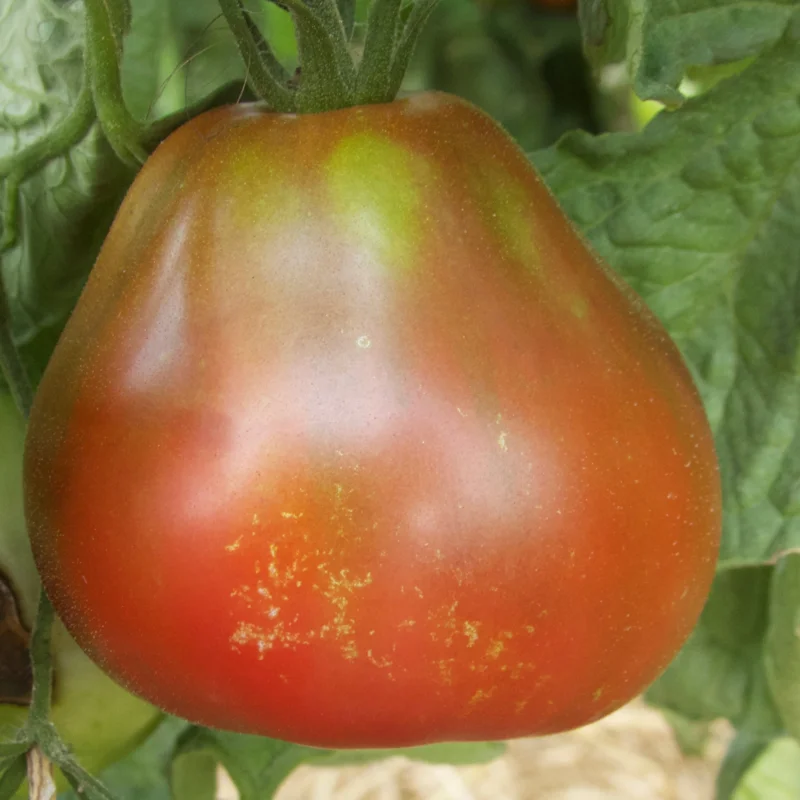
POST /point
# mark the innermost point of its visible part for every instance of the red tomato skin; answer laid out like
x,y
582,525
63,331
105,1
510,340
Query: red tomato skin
x,y
351,441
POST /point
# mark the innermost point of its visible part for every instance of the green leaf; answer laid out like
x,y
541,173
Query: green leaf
x,y
775,775
607,26
782,644
703,32
257,765
443,753
144,773
194,776
743,752
13,776
719,672
66,208
691,736
10,750
701,214
662,40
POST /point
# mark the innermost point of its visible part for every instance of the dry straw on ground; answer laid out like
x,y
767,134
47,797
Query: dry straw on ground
x,y
630,755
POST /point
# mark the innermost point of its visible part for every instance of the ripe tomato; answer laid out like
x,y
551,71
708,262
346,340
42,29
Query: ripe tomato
x,y
351,441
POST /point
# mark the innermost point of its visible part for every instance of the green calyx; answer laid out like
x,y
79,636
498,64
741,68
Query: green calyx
x,y
329,78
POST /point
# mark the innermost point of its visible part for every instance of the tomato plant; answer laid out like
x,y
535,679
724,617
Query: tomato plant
x,y
351,432
351,439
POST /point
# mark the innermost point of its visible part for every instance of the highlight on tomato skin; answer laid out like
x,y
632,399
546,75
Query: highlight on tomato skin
x,y
351,441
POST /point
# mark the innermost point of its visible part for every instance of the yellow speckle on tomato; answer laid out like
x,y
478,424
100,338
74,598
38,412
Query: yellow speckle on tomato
x,y
350,651
471,632
481,694
495,649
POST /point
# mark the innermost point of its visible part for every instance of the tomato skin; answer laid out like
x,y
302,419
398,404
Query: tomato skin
x,y
351,441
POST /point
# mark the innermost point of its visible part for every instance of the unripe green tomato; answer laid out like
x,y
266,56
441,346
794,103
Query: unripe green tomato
x,y
98,719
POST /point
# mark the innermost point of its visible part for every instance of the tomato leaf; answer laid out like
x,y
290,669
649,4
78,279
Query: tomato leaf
x,y
257,765
13,775
65,209
782,644
764,771
661,42
194,776
10,750
144,773
719,672
445,753
699,214
743,752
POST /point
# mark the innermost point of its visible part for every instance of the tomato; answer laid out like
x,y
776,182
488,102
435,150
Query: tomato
x,y
351,441
98,719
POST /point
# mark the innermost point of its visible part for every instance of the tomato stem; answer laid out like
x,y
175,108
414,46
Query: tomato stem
x,y
373,72
267,77
18,166
347,11
11,366
327,70
39,737
42,661
329,78
420,13
38,731
106,21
